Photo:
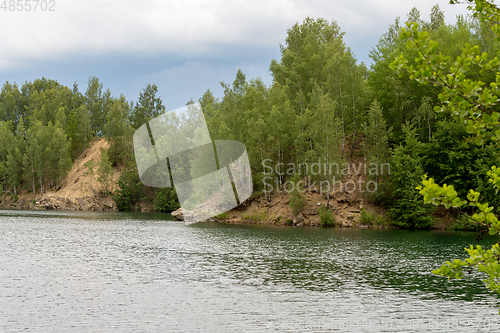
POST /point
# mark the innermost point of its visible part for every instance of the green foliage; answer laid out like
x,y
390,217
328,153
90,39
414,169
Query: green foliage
x,y
376,149
79,130
118,131
95,103
129,188
404,99
297,199
463,222
474,102
407,209
376,143
373,219
255,217
90,167
148,107
166,200
326,217
104,171
223,216
317,96
452,160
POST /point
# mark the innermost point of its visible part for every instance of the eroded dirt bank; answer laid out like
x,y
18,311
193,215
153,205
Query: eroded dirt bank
x,y
80,190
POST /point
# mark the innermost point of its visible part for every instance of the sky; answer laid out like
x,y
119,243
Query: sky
x,y
184,47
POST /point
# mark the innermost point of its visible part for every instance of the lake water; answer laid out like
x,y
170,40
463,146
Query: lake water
x,y
119,272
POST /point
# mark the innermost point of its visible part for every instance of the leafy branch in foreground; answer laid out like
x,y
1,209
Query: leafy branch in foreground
x,y
476,104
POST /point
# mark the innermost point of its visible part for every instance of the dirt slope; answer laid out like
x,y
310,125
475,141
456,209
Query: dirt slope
x,y
79,191
345,204
79,182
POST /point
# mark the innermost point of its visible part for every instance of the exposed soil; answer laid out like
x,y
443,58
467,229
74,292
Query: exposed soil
x,y
80,190
346,200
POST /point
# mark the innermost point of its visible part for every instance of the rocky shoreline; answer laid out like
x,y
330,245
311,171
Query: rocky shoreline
x,y
50,202
256,211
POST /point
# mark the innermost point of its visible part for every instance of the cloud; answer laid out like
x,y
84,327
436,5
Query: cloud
x,y
178,84
185,29
185,47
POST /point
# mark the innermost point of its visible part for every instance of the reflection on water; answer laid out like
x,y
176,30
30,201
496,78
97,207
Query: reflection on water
x,y
92,271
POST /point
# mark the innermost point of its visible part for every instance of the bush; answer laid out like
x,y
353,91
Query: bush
x,y
371,218
166,200
256,217
365,217
462,222
297,200
223,216
129,189
326,217
407,208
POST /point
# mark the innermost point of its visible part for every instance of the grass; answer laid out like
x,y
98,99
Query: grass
x,y
256,217
223,216
326,217
372,218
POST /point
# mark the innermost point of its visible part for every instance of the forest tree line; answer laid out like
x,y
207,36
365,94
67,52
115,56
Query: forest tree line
x,y
322,102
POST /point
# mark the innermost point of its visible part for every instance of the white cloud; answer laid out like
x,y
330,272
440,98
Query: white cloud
x,y
185,47
186,28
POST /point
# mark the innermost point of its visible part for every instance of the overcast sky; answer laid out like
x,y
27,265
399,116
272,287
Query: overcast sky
x,y
184,47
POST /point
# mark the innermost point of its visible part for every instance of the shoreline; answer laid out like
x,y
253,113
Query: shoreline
x,y
275,210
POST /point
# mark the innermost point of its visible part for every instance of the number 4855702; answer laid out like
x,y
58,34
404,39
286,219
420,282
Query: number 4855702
x,y
28,5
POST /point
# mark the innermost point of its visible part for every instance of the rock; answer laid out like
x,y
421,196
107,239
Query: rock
x,y
298,219
178,214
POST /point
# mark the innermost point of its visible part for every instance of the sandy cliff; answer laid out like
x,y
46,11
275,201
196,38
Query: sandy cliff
x,y
80,190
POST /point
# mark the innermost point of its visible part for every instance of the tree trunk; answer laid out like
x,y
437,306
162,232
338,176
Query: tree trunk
x,y
33,175
343,125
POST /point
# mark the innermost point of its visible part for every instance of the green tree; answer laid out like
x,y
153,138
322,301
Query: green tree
x,y
79,130
473,102
166,200
407,209
148,107
376,142
403,99
104,171
315,58
118,131
94,103
11,106
13,170
129,188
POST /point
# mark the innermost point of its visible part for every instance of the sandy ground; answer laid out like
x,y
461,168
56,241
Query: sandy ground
x,y
80,182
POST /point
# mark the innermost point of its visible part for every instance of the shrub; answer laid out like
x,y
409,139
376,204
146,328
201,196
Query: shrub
x,y
326,217
128,190
297,199
166,200
407,209
224,215
371,218
256,217
462,222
